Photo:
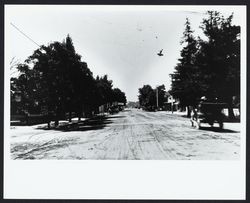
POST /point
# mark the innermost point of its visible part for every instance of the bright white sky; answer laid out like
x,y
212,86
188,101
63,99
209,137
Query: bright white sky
x,y
120,41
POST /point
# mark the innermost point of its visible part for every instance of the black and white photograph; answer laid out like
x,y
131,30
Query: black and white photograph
x,y
128,83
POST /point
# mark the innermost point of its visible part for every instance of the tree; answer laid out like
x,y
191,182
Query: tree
x,y
104,88
105,94
185,80
119,96
55,79
209,67
144,96
219,58
161,95
147,97
25,85
59,76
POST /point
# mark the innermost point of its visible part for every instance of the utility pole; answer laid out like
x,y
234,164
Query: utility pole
x,y
157,102
172,104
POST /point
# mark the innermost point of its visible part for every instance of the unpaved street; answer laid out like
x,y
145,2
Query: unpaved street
x,y
131,134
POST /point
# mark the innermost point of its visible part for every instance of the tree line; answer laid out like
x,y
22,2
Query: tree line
x,y
209,67
55,81
151,99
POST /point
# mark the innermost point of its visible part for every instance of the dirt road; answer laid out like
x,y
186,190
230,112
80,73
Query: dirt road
x,y
131,134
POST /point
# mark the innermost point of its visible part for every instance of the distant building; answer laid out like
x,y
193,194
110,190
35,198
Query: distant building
x,y
171,104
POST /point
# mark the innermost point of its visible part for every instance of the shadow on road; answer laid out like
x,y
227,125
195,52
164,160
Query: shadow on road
x,y
228,120
95,123
116,116
217,129
126,110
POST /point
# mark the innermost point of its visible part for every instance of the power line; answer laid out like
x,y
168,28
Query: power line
x,y
25,35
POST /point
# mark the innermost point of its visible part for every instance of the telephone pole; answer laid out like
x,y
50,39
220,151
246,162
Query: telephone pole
x,y
157,102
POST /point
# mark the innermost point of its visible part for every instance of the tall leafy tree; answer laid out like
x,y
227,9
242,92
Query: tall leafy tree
x,y
148,99
161,95
144,96
61,78
119,96
26,87
104,87
219,58
55,78
209,67
185,80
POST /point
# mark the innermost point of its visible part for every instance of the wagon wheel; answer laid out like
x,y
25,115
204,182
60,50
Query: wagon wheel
x,y
221,125
211,123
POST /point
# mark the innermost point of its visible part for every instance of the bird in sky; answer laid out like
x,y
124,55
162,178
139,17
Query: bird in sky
x,y
160,53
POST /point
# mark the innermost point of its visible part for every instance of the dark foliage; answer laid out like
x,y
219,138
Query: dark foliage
x,y
54,81
209,67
